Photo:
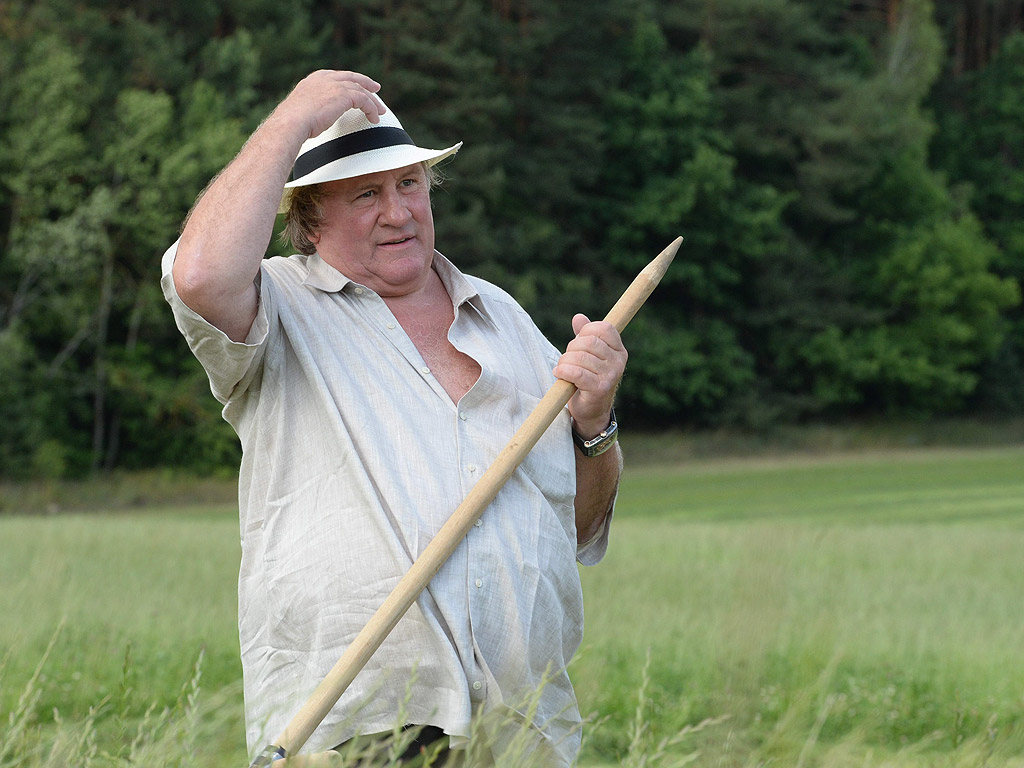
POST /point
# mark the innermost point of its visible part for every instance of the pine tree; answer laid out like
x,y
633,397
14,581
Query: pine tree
x,y
980,145
668,170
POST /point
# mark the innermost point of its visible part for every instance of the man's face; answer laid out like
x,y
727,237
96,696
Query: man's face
x,y
378,229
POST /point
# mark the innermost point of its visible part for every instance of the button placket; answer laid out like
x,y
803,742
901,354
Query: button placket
x,y
471,469
381,317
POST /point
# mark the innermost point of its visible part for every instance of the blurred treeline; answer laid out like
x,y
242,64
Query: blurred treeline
x,y
848,176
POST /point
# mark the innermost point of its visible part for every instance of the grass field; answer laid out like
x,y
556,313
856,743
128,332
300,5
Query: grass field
x,y
863,609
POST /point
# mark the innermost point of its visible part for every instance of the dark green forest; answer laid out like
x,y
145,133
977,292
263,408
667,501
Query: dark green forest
x,y
848,178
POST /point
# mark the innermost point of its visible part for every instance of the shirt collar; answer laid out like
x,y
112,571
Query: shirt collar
x,y
320,274
460,288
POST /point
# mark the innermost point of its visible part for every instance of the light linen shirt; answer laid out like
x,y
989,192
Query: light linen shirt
x,y
353,458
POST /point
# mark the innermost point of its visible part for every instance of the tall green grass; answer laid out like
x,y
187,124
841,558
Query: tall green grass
x,y
887,586
858,610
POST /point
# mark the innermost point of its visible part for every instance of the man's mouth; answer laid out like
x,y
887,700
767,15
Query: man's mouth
x,y
397,240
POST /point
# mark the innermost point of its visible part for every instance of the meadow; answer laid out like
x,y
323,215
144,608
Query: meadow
x,y
852,609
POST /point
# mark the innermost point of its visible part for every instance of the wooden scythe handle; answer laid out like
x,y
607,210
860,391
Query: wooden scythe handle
x,y
452,532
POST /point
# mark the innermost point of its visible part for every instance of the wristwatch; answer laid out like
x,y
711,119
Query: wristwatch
x,y
595,446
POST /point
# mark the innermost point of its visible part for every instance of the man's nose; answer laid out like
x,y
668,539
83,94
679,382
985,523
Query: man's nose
x,y
393,210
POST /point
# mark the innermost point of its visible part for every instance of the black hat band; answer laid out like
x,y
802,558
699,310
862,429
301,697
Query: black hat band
x,y
349,144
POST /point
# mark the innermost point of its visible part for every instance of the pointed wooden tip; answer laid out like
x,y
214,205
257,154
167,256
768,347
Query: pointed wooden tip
x,y
657,268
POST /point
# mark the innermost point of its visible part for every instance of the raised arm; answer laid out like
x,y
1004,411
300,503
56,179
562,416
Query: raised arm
x,y
230,226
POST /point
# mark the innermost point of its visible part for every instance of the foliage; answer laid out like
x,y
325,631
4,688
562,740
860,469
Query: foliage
x,y
980,145
939,318
846,186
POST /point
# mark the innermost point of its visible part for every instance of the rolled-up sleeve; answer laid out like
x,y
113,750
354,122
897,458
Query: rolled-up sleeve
x,y
593,551
230,365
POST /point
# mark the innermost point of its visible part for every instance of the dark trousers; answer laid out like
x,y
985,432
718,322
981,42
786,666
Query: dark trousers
x,y
429,738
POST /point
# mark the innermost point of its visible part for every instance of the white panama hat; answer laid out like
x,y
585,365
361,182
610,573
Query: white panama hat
x,y
353,146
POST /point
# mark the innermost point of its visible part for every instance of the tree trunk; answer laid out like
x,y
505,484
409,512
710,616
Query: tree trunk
x,y
99,404
114,431
892,13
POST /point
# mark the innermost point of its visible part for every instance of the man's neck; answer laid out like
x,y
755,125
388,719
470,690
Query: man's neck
x,y
427,316
424,301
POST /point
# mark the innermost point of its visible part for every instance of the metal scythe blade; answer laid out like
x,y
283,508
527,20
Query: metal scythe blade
x,y
451,534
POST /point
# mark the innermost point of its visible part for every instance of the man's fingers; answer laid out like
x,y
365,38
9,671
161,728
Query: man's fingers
x,y
358,94
371,106
594,362
591,345
359,78
602,329
597,347
588,373
346,78
366,102
586,361
323,96
585,379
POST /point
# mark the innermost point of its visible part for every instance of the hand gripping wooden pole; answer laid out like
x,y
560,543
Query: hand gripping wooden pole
x,y
451,534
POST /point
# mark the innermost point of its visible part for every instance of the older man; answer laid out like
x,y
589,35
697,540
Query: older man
x,y
371,383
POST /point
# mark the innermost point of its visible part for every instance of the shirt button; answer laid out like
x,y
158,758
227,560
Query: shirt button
x,y
479,583
477,685
471,467
424,369
391,326
478,522
463,416
359,291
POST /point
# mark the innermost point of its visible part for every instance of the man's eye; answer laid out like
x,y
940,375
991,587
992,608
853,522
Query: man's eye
x,y
408,182
366,195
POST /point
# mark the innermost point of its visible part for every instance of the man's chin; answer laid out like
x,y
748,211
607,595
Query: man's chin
x,y
407,274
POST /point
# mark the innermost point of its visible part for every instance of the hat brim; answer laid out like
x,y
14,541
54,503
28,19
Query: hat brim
x,y
371,161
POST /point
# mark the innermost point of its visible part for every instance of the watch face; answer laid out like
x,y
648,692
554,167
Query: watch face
x,y
602,442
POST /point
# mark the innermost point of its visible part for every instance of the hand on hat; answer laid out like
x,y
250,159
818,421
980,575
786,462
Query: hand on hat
x,y
323,96
594,361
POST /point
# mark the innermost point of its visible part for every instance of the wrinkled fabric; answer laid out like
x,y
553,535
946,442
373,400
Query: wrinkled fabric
x,y
353,458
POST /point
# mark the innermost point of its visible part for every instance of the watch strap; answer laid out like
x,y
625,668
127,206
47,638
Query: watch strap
x,y
597,445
